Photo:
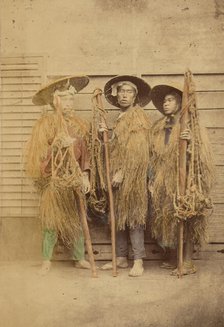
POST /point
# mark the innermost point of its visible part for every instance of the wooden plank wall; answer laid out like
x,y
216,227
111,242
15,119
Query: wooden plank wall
x,y
20,78
20,234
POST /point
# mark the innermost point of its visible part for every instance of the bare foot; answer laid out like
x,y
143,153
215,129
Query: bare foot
x,y
122,262
107,266
188,269
45,268
82,264
167,265
137,269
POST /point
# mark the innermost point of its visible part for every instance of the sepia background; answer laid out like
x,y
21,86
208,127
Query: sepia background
x,y
43,40
157,40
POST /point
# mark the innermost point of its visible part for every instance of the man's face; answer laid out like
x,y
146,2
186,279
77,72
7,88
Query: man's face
x,y
126,96
67,101
170,105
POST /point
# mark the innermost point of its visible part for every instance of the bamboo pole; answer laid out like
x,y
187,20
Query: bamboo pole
x,y
184,120
98,93
87,236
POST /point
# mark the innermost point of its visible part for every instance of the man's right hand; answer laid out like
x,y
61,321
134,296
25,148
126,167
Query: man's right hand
x,y
150,188
63,141
103,127
117,178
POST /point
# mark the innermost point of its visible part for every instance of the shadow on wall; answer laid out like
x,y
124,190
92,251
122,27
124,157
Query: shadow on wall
x,y
219,8
125,5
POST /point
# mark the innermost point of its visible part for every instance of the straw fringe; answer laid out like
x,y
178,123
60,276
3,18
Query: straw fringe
x,y
59,211
166,201
59,192
37,146
130,155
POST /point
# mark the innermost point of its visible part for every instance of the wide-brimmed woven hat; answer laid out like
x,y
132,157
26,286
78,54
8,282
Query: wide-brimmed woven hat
x,y
45,94
159,92
144,90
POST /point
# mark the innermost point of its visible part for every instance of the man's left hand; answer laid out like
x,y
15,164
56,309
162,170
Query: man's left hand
x,y
186,134
85,181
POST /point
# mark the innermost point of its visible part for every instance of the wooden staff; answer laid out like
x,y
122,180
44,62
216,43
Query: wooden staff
x,y
184,120
85,227
87,236
98,94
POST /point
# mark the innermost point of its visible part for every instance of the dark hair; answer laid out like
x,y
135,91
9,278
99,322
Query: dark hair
x,y
127,83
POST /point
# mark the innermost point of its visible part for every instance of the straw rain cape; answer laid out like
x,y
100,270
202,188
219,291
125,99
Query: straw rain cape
x,y
168,206
56,154
130,155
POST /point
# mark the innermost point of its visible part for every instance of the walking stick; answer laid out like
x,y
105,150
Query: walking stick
x,y
184,120
98,94
87,236
81,202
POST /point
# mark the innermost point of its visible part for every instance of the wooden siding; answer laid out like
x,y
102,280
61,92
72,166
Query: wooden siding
x,y
21,77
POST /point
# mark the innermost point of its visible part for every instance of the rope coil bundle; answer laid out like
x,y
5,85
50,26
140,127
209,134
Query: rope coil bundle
x,y
199,172
98,198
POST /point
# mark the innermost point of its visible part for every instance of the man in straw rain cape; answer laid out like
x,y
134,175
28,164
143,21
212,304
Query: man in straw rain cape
x,y
58,162
170,206
129,154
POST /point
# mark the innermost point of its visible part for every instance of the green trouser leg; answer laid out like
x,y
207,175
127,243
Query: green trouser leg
x,y
49,240
79,249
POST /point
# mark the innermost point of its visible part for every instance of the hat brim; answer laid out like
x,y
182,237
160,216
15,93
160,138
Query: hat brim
x,y
144,90
45,94
158,94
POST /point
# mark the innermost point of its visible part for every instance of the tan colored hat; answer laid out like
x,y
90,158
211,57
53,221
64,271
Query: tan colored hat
x,y
45,94
159,92
144,90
